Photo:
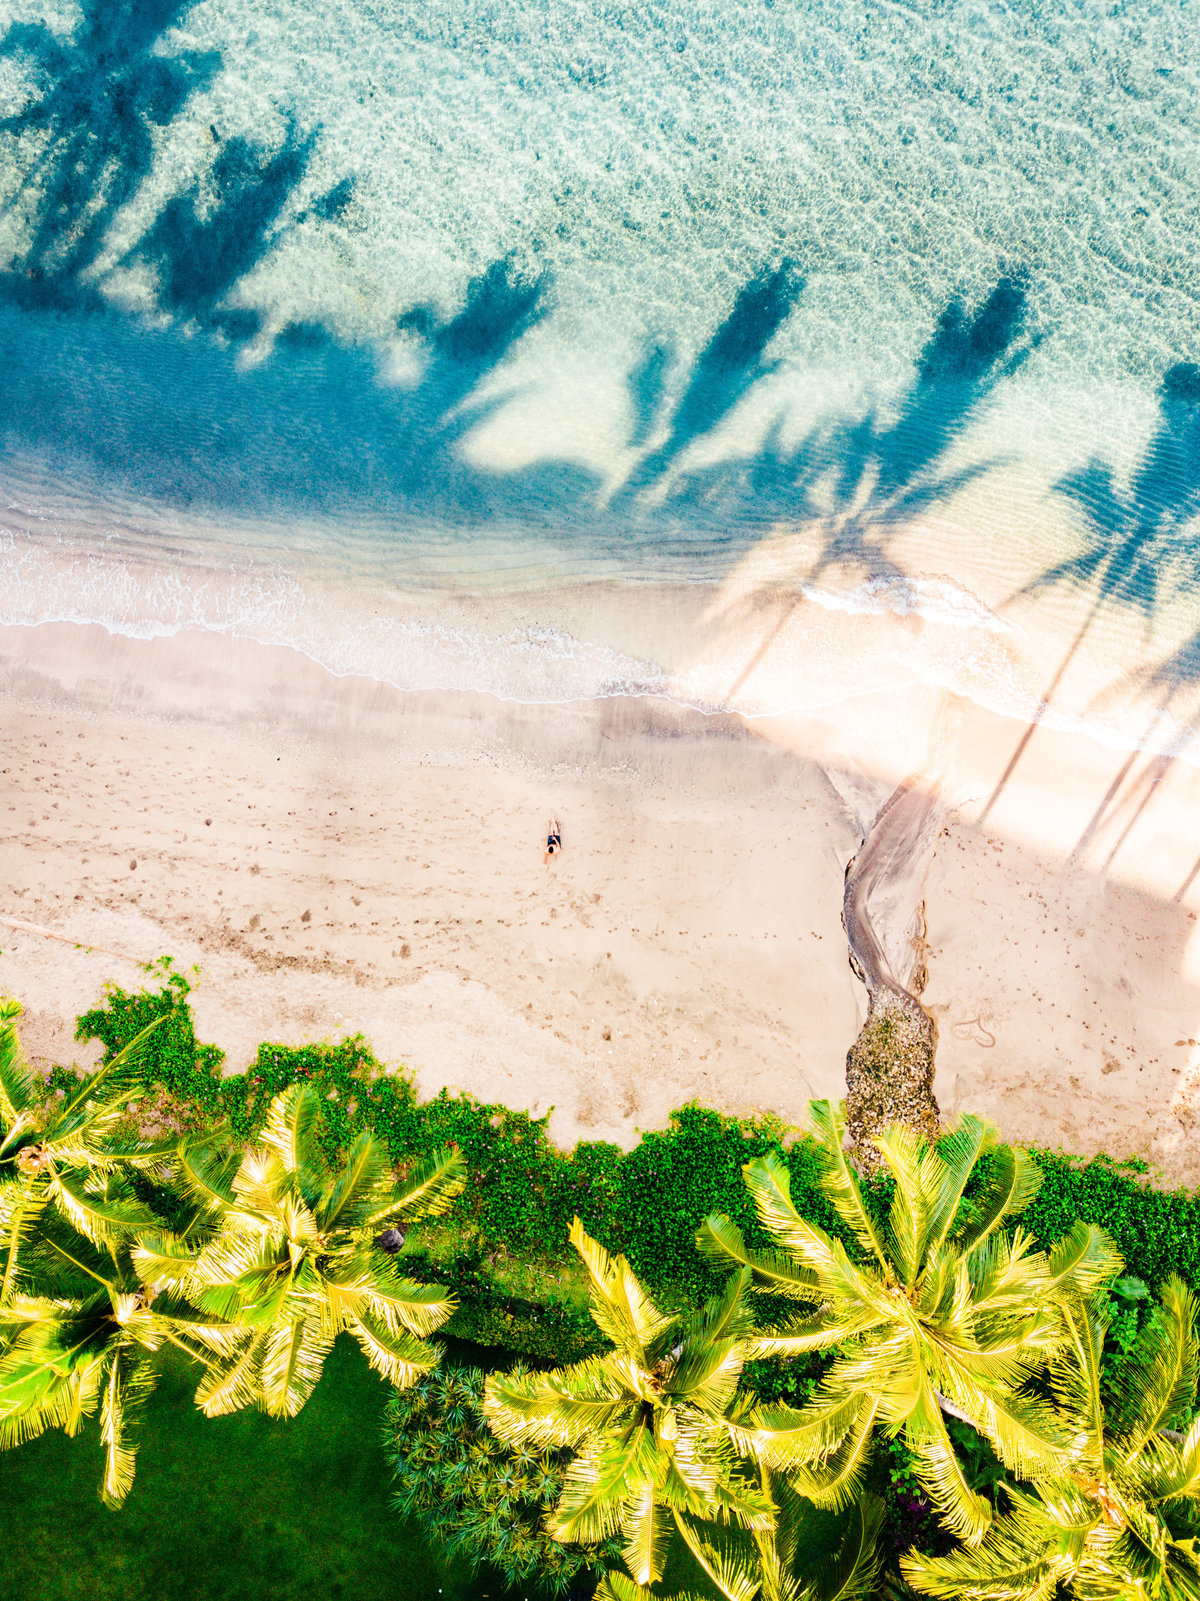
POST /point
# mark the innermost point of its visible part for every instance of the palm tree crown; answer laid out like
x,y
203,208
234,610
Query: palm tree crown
x,y
79,1328
55,1158
647,1419
82,1330
295,1258
1119,1514
937,1310
801,1558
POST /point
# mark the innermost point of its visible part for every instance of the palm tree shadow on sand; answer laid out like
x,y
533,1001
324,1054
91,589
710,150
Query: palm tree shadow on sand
x,y
1138,555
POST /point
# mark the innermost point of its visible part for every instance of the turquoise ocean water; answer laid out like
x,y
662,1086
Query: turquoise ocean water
x,y
318,320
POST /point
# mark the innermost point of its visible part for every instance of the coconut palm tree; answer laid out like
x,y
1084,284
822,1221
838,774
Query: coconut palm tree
x,y
647,1420
807,1556
82,1330
55,1156
302,1251
1119,1515
935,1310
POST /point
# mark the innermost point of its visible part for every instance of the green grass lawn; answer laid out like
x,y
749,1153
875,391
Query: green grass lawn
x,y
226,1508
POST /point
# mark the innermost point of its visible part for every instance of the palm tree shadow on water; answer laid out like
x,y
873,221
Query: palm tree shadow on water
x,y
1139,554
860,481
312,425
109,88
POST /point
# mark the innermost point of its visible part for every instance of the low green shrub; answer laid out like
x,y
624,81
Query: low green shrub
x,y
524,1190
1156,1231
479,1499
178,1061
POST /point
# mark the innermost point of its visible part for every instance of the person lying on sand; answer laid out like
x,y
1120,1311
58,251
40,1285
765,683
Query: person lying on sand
x,y
553,840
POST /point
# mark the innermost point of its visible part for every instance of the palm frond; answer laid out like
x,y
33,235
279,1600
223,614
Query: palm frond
x,y
428,1190
706,1377
617,1586
163,1259
205,1176
840,1182
729,1557
966,1514
61,1403
202,1337
647,1527
293,1357
1075,1379
1158,1380
790,1437
101,1221
620,1308
24,1208
122,1076
1182,1478
726,1316
908,1219
16,1081
1014,1180
291,1117
259,1184
600,1484
399,1356
958,1151
851,1572
769,1184
816,1333
1082,1260
836,1481
720,1241
556,1409
230,1385
710,1362
1017,1562
365,1169
127,1386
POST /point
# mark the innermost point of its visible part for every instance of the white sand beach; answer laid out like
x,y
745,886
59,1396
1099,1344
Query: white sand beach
x,y
336,856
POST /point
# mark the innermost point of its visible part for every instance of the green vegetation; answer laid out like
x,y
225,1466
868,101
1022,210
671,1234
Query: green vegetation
x,y
807,1555
251,1262
481,1499
298,1251
649,1419
939,1369
939,1313
1119,1512
236,1508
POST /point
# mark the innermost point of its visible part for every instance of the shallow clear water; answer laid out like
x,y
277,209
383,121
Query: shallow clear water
x,y
313,315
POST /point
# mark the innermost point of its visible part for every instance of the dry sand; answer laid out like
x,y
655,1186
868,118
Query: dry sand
x,y
336,857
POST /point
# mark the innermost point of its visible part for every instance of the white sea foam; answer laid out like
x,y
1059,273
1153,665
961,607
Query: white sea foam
x,y
938,600
440,641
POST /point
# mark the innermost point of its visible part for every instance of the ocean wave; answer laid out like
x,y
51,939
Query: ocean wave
x,y
439,642
938,600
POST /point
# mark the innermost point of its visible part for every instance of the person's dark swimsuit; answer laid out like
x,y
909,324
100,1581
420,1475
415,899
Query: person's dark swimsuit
x,y
553,842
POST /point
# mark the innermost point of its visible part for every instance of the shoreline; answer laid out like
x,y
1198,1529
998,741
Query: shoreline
x,y
695,913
